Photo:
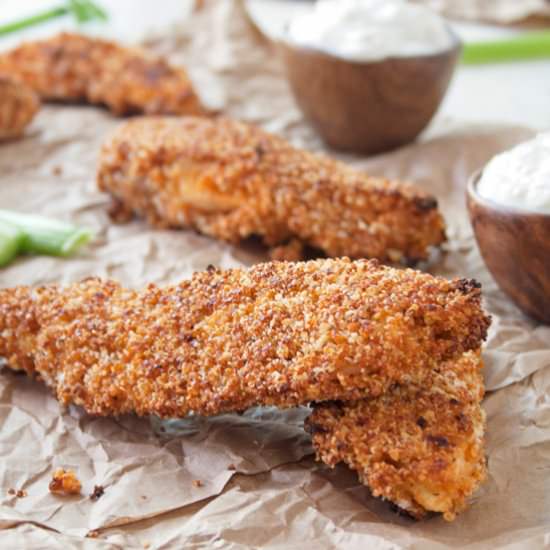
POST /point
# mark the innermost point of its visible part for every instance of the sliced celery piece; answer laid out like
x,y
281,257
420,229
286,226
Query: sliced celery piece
x,y
527,46
10,241
45,236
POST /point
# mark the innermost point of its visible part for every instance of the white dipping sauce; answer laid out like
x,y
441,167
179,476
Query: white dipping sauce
x,y
520,178
370,30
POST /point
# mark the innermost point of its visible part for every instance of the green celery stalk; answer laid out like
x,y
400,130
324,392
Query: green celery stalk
x,y
530,45
98,12
45,236
33,20
82,10
10,241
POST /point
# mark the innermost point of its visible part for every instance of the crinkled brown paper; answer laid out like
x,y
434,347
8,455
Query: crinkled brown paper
x,y
260,486
496,11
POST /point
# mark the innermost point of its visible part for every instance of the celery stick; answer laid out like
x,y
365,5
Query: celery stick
x,y
45,236
82,10
10,240
530,45
33,20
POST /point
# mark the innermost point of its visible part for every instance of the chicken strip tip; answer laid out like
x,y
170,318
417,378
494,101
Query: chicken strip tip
x,y
420,447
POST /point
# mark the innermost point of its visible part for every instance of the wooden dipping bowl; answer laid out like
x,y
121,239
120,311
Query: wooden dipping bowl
x,y
515,245
368,107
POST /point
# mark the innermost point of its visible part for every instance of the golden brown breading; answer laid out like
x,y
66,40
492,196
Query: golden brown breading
x,y
72,67
275,334
65,482
231,180
418,446
18,105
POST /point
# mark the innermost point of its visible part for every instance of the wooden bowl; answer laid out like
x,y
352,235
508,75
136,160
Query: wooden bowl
x,y
368,107
515,246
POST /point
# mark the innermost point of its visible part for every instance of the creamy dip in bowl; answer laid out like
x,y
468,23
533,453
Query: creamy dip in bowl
x,y
520,178
509,206
369,74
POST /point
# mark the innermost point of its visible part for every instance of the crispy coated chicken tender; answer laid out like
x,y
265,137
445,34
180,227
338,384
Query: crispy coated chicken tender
x,y
18,105
72,67
276,334
231,180
418,446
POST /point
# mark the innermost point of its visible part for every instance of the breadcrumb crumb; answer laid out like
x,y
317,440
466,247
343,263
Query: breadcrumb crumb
x,y
65,482
19,493
97,493
420,447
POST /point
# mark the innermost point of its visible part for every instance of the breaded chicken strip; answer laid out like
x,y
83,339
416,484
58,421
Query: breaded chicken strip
x,y
418,446
275,334
18,105
231,180
72,67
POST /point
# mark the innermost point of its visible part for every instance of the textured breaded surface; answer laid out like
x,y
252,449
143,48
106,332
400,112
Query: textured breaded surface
x,y
275,334
72,67
18,105
231,180
418,446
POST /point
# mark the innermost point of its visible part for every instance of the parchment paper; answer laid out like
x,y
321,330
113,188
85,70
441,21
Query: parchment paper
x,y
260,486
495,11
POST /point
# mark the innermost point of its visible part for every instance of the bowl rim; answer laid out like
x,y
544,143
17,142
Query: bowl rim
x,y
455,48
489,204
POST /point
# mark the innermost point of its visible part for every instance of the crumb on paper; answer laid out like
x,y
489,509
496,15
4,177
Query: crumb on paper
x,y
197,483
19,493
57,170
232,467
65,482
98,492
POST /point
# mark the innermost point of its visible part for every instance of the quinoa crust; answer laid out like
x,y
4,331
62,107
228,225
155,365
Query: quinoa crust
x,y
73,67
275,334
420,447
18,105
232,180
